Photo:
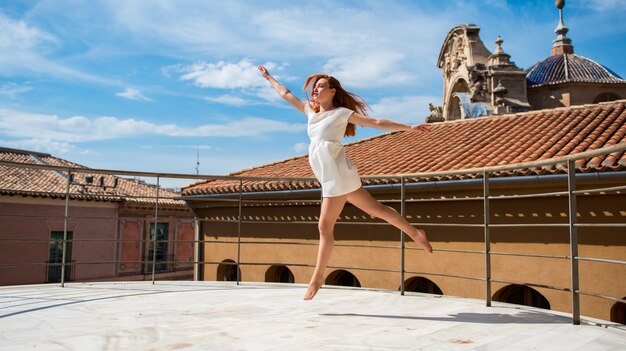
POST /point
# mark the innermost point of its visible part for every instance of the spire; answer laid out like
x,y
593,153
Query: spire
x,y
499,57
562,44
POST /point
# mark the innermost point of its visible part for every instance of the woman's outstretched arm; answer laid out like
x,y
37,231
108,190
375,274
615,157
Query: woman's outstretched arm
x,y
285,93
385,124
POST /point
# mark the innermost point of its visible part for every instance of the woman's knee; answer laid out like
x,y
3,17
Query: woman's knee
x,y
325,229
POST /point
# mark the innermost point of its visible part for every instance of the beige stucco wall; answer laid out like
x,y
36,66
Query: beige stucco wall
x,y
443,267
571,94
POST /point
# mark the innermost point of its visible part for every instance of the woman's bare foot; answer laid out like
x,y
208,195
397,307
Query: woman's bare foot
x,y
314,287
421,240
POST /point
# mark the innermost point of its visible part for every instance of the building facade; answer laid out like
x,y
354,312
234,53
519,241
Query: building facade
x,y
111,224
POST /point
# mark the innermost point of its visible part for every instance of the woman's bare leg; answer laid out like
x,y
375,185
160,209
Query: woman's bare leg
x,y
330,210
366,202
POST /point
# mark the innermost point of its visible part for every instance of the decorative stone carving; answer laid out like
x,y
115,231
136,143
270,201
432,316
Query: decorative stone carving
x,y
478,82
435,115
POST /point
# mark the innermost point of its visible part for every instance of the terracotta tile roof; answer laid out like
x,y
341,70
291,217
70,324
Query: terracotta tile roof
x,y
463,144
53,184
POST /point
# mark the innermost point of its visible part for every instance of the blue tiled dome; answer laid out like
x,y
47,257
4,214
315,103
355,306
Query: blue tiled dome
x,y
568,68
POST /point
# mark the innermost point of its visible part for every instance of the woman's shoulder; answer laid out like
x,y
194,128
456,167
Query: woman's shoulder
x,y
344,111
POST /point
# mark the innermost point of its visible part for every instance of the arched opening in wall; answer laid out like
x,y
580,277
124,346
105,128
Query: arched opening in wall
x,y
521,295
423,285
454,104
342,278
618,312
605,97
227,271
279,274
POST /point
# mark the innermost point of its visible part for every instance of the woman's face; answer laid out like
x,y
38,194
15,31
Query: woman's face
x,y
322,91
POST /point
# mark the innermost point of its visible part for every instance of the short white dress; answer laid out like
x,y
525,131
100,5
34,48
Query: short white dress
x,y
337,175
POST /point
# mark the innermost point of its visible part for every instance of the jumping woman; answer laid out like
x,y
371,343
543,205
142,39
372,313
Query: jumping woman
x,y
332,113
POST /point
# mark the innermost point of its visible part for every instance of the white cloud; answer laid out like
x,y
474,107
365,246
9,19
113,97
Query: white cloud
x,y
301,148
80,129
22,37
406,109
228,100
242,76
23,50
41,145
133,94
12,89
377,68
268,94
223,75
614,6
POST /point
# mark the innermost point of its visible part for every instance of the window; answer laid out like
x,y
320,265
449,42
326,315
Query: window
x,y
158,253
279,274
55,257
618,312
342,278
227,271
423,285
522,295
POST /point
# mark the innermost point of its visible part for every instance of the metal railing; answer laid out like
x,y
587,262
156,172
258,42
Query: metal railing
x,y
399,182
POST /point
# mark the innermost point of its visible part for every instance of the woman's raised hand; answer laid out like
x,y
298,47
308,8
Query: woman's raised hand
x,y
264,71
421,128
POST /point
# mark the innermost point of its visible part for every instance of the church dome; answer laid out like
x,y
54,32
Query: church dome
x,y
569,68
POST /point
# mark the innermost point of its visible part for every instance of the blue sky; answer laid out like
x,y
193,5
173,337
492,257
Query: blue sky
x,y
144,85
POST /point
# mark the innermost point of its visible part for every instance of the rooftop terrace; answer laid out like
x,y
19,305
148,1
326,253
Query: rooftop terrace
x,y
176,315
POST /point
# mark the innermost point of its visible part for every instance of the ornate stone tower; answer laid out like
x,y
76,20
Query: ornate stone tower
x,y
475,81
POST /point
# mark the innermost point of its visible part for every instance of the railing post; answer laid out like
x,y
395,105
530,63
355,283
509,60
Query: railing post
x,y
67,206
487,215
573,235
403,214
239,231
198,239
156,230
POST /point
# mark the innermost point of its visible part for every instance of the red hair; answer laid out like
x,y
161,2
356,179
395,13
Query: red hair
x,y
342,98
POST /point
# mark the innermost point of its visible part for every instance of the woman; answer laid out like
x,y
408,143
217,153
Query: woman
x,y
332,113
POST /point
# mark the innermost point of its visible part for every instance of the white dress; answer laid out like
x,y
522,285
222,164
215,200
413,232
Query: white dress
x,y
334,171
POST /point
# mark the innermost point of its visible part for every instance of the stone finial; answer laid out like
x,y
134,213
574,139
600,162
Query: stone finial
x,y
562,44
499,57
499,42
560,4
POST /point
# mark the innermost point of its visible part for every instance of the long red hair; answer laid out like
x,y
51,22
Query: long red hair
x,y
342,98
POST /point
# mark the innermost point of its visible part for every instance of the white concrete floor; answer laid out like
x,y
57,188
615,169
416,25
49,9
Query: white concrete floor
x,y
258,316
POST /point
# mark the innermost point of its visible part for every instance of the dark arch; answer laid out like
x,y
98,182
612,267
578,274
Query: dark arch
x,y
618,312
342,278
454,103
521,295
227,271
605,97
279,274
423,285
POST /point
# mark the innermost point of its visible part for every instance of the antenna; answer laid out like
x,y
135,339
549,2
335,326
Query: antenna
x,y
198,161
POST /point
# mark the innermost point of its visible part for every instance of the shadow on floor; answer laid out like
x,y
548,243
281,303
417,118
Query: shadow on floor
x,y
495,318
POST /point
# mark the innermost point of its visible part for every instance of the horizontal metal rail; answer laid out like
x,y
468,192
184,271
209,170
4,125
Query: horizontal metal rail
x,y
434,274
236,201
602,296
515,254
603,260
544,286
